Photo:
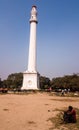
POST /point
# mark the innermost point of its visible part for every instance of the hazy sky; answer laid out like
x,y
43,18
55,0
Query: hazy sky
x,y
57,36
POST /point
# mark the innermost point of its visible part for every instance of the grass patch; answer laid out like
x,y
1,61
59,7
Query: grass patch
x,y
57,122
70,94
65,100
24,92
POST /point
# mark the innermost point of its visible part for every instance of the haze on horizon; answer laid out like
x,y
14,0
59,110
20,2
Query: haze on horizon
x,y
57,36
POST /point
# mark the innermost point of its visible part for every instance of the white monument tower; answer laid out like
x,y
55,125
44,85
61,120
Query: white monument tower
x,y
31,76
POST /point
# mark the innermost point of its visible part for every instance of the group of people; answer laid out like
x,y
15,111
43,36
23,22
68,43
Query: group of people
x,y
70,115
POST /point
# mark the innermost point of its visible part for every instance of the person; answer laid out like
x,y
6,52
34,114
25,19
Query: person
x,y
62,92
70,115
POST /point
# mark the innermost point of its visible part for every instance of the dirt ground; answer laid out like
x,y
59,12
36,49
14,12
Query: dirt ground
x,y
31,111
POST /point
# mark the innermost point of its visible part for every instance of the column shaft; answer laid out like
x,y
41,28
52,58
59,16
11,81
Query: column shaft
x,y
32,48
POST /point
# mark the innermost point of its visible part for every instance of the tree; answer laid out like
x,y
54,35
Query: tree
x,y
67,82
14,80
44,82
1,83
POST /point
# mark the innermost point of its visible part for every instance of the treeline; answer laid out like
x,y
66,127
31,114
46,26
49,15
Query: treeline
x,y
67,82
14,81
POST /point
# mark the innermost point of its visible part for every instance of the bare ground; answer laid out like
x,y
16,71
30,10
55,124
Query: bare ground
x,y
32,111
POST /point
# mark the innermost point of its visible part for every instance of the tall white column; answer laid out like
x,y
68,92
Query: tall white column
x,y
32,46
31,76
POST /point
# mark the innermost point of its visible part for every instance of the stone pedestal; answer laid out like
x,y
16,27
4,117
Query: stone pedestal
x,y
30,81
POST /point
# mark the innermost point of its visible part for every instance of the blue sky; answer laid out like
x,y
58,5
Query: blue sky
x,y
57,36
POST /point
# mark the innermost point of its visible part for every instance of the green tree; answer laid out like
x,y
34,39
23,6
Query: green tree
x,y
1,84
67,82
14,80
44,82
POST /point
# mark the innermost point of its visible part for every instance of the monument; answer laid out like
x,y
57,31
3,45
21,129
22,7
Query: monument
x,y
31,76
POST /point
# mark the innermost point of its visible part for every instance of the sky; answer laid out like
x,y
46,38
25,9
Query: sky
x,y
57,37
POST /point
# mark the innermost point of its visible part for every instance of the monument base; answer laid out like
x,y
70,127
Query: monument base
x,y
30,81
